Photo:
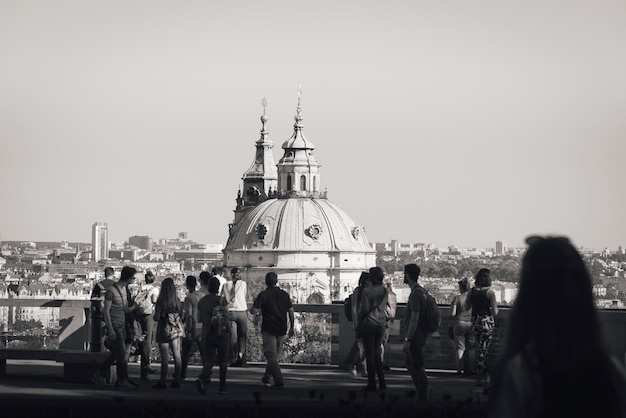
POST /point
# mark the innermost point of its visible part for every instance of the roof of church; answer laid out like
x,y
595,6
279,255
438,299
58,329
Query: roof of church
x,y
295,216
297,224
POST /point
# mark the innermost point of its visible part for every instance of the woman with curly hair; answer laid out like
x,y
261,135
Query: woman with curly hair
x,y
168,313
482,300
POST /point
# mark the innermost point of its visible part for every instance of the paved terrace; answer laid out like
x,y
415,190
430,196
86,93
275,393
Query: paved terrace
x,y
37,388
33,388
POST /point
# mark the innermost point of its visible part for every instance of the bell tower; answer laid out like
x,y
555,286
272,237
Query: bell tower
x,y
260,181
298,169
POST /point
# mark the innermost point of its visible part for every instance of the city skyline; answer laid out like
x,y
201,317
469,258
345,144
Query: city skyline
x,y
447,123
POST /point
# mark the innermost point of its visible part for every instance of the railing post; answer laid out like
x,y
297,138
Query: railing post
x,y
95,343
72,324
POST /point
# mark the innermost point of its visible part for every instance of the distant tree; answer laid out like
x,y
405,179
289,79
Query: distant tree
x,y
433,270
507,271
448,270
23,326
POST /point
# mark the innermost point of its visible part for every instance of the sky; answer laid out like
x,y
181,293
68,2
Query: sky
x,y
448,122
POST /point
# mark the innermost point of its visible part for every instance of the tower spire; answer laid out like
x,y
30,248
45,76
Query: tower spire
x,y
298,125
264,131
261,177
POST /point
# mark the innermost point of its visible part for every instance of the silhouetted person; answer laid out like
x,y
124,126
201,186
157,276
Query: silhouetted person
x,y
359,364
482,301
554,362
415,339
464,339
214,345
193,326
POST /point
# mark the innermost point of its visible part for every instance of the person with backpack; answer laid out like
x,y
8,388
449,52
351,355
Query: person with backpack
x,y
116,307
145,299
214,317
373,322
415,323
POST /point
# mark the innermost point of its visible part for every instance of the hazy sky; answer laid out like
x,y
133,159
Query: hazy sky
x,y
444,122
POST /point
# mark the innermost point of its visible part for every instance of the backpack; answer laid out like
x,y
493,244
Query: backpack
x,y
143,301
347,308
430,317
220,320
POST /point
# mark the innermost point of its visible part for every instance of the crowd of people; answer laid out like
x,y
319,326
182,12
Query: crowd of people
x,y
553,359
213,317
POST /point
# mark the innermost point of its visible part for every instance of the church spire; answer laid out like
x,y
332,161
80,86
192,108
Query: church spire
x,y
298,169
262,175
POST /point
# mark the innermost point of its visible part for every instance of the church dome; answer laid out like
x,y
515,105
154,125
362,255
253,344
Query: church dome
x,y
297,224
284,223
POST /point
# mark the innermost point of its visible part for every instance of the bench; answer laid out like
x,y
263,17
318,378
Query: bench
x,y
78,365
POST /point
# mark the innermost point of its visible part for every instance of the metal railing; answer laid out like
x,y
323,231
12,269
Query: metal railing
x,y
323,334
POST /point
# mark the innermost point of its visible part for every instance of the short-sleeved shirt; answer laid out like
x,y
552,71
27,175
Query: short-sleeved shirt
x,y
118,298
205,310
274,304
235,293
414,306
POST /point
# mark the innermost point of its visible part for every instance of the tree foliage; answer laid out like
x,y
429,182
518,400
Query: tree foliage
x,y
25,326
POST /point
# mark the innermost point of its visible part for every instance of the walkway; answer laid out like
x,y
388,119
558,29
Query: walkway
x,y
35,388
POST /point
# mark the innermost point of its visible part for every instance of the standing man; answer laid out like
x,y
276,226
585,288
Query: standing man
x,y
193,326
415,336
274,304
236,291
145,300
97,304
214,344
219,273
116,306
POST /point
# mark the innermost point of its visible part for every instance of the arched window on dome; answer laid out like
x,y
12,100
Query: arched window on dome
x,y
314,183
288,182
303,183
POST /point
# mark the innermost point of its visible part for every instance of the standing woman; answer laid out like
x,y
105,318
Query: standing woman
x,y
555,362
373,322
168,313
463,335
482,300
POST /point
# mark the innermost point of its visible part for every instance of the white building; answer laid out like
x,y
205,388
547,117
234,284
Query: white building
x,y
100,241
284,223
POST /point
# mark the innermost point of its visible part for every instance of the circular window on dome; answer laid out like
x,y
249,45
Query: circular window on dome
x,y
314,231
261,231
356,232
